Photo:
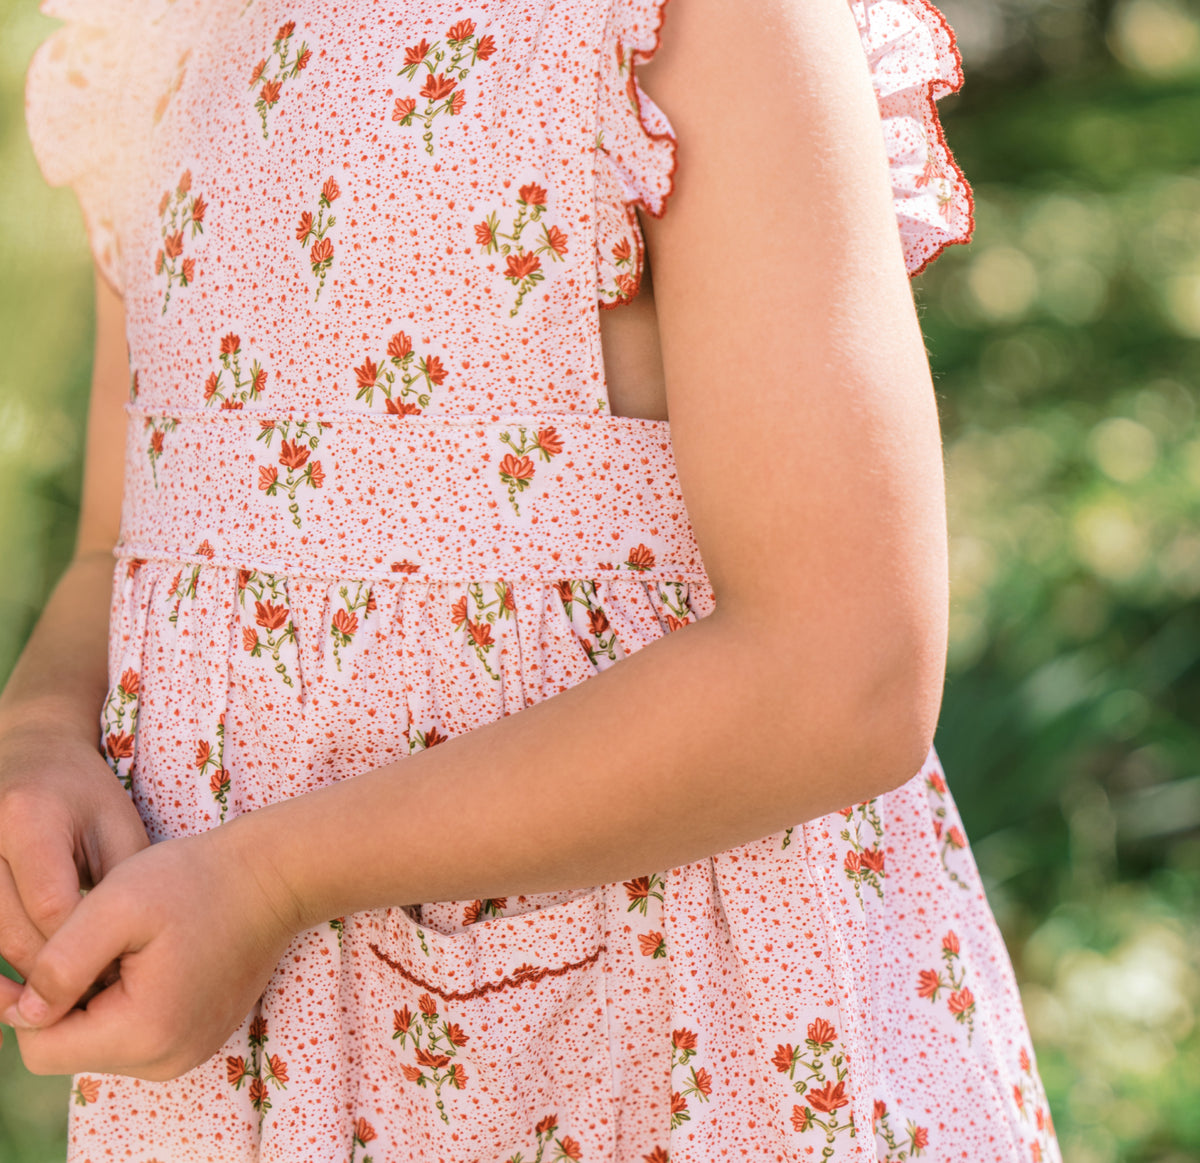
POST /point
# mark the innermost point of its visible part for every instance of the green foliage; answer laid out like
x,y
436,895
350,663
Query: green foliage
x,y
1065,354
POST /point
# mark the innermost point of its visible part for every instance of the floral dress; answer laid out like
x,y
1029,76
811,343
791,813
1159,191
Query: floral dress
x,y
375,497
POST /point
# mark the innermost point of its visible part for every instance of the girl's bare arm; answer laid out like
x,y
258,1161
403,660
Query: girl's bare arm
x,y
64,819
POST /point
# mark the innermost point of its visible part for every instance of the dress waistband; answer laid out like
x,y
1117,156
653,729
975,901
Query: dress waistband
x,y
372,495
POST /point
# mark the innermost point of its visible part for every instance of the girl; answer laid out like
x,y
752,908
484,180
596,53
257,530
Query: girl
x,y
392,472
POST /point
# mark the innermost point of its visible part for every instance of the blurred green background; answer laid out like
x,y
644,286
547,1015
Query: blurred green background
x,y
1064,343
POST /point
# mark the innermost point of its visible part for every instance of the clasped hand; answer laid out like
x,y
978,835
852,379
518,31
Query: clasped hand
x,y
183,934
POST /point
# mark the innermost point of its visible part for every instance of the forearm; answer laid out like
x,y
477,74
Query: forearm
x,y
62,675
709,738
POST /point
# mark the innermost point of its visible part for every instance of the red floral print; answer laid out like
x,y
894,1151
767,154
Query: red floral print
x,y
818,1056
523,266
478,630
888,1148
86,1090
209,755
698,1083
344,624
286,67
299,438
446,66
177,214
423,740
272,616
950,839
158,427
239,391
961,1001
516,468
118,725
435,1043
864,862
258,1068
314,229
404,379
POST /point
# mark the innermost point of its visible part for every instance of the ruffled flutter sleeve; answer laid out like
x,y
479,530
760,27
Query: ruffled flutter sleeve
x,y
73,113
913,61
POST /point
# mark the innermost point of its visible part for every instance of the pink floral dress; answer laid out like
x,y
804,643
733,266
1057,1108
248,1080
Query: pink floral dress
x,y
375,497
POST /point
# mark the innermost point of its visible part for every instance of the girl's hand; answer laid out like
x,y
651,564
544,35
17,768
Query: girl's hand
x,y
196,934
65,823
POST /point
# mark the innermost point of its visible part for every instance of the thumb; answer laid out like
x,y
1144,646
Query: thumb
x,y
42,861
90,939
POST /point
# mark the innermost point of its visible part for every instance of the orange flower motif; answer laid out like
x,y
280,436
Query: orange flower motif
x,y
416,53
622,250
305,227
249,638
784,1058
937,783
258,381
547,1126
185,183
678,1103
455,1035
235,1069
257,72
481,633
345,623
532,195
638,889
557,240
955,838
130,682
230,344
203,753
519,468
484,235
522,265
650,943
398,347
188,270
485,48
928,983
433,1061
199,207
401,408
549,441
437,86
433,737
427,1004
270,616
267,476
458,103
403,108
458,611
173,244
800,1118
658,1155
322,251
597,622
872,860
674,623
258,1029
961,1000
286,30
87,1090
640,558
158,263
627,285
821,1032
402,1020
218,782
258,1092
829,1098
119,745
1024,1060
278,1068
330,190
463,30
950,942
853,862
364,1133
565,592
303,59
293,454
367,374
880,1110
570,1149
270,92
683,1039
412,1073
435,370
703,1081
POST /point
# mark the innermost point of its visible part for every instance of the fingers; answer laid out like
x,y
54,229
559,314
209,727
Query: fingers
x,y
93,936
20,939
40,852
123,835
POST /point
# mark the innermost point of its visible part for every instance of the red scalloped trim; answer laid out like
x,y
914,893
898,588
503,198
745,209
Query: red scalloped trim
x,y
954,86
636,56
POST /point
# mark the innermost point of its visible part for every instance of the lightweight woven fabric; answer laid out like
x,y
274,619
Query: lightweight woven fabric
x,y
375,497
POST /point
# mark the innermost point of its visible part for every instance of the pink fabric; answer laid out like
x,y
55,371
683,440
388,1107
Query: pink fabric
x,y
375,499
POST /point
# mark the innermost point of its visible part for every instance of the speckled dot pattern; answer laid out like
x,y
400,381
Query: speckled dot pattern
x,y
375,498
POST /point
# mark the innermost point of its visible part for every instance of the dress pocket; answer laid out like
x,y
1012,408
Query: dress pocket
x,y
492,1001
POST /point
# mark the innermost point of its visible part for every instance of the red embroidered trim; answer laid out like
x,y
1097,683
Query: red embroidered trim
x,y
524,975
931,98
